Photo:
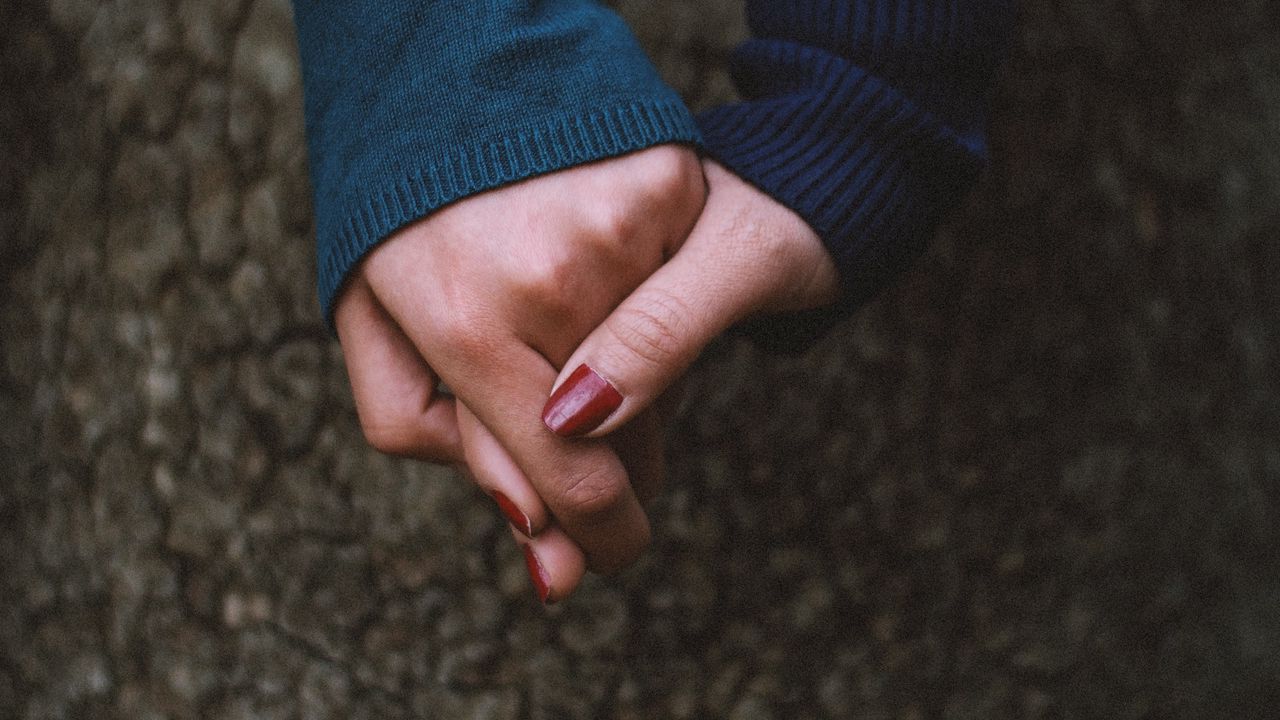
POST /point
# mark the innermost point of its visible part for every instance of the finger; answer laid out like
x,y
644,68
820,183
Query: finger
x,y
504,383
583,484
555,563
400,410
738,260
497,474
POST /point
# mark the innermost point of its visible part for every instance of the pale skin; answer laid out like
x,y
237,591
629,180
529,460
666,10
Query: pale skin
x,y
630,265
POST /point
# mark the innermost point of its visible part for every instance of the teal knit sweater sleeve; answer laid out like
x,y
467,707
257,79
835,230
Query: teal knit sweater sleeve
x,y
414,104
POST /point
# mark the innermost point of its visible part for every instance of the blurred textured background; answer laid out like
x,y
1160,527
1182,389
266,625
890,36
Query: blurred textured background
x,y
1039,478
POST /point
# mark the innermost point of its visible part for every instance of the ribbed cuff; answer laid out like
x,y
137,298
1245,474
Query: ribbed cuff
x,y
344,237
868,169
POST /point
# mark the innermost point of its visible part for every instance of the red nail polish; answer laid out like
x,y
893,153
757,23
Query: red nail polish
x,y
537,575
581,403
517,518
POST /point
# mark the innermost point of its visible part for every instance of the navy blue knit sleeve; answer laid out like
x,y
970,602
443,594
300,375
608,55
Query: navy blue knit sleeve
x,y
866,117
413,104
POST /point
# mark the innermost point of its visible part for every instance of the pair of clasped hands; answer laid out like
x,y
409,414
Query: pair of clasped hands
x,y
557,310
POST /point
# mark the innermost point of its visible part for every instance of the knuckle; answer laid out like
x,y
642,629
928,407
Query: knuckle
x,y
466,333
671,170
609,225
391,424
388,436
401,431
547,280
782,249
774,239
592,495
652,330
662,187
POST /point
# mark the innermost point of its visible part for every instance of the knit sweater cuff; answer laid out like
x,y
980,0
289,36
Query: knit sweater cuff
x,y
411,106
868,168
346,232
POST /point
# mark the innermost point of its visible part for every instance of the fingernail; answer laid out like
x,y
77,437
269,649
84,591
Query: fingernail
x,y
537,575
517,518
581,403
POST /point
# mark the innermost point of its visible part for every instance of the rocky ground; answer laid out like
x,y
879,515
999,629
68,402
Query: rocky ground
x,y
1039,478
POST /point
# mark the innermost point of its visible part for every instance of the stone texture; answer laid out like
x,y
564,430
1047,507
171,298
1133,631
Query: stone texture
x,y
1038,478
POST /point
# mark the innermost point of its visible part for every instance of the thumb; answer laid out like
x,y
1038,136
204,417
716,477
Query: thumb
x,y
746,254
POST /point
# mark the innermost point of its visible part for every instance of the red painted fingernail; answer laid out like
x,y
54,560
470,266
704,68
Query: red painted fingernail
x,y
517,518
537,575
581,403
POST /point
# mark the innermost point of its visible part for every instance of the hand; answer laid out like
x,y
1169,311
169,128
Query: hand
x,y
491,295
747,255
